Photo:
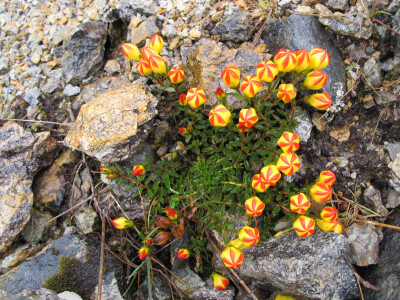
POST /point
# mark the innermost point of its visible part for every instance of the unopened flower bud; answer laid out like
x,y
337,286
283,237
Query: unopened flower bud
x,y
149,241
171,213
321,192
270,175
231,76
183,254
248,117
176,75
131,51
249,236
156,43
147,52
285,60
157,64
325,226
319,58
327,177
220,282
289,142
232,257
138,170
315,80
304,226
144,67
122,223
267,70
320,101
143,252
288,163
299,203
251,85
219,116
182,100
195,97
286,92
329,214
302,60
220,93
182,131
254,206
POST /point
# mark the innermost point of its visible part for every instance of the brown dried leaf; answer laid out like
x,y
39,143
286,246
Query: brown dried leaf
x,y
161,238
163,222
179,230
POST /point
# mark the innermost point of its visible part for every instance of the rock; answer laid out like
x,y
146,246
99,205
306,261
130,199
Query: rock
x,y
395,165
393,149
396,40
83,51
36,54
319,121
338,4
86,220
364,244
206,63
169,31
145,30
305,32
17,256
302,267
386,273
384,97
209,292
194,34
4,61
373,198
345,24
69,296
22,155
340,134
40,294
32,97
393,198
235,28
69,263
159,289
38,218
112,67
109,289
109,127
161,132
303,129
71,90
53,81
125,9
372,71
49,187
368,101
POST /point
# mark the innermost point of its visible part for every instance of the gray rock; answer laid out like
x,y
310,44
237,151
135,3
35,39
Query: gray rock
x,y
364,244
373,198
394,6
393,149
384,97
345,24
83,51
209,292
4,61
305,32
159,288
337,4
22,155
40,294
79,259
303,129
235,28
145,30
69,296
392,66
36,54
169,31
110,126
125,9
86,220
396,40
110,290
372,71
386,273
393,198
161,132
32,97
303,267
53,81
38,218
112,67
7,296
71,90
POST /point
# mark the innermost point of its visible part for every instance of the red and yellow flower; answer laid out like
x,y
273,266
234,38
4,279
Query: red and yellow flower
x,y
302,60
131,51
143,252
183,253
249,236
157,64
285,60
232,257
156,43
315,80
321,192
122,223
320,101
319,58
220,93
267,70
270,175
254,206
171,213
289,142
149,241
182,130
138,170
182,99
251,85
288,163
147,52
176,75
327,177
299,203
220,282
286,92
195,97
248,117
219,116
326,226
144,67
304,226
231,76
259,184
329,214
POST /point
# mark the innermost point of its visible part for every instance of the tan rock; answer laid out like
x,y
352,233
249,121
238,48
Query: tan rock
x,y
194,34
319,121
341,134
145,30
108,127
260,48
63,20
112,66
52,63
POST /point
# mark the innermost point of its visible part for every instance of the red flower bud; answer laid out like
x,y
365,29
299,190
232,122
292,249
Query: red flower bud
x,y
267,70
143,252
149,241
232,257
182,131
182,99
326,226
171,213
144,67
248,117
319,58
220,282
147,52
327,177
156,43
131,51
329,214
270,175
259,184
138,170
122,223
157,64
249,236
302,60
183,254
220,93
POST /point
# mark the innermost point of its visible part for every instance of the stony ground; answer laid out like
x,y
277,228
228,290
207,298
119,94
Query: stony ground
x,y
57,56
